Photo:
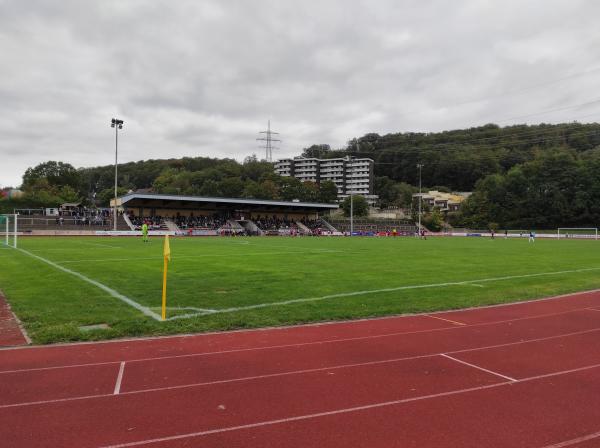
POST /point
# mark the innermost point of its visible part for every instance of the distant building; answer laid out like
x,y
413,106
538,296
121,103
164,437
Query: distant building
x,y
11,193
350,175
446,202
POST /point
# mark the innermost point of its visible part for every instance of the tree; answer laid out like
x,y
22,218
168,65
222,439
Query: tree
x,y
106,195
360,206
255,190
317,151
433,221
57,174
231,187
327,192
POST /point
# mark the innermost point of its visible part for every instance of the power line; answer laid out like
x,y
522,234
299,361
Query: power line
x,y
597,100
529,88
504,129
460,145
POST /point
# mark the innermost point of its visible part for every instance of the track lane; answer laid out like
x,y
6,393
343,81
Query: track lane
x,y
119,418
195,369
56,384
230,366
537,413
538,357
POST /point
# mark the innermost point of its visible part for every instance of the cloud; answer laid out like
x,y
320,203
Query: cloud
x,y
202,78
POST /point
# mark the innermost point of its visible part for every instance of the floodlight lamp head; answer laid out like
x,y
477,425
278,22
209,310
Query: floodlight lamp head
x,y
116,123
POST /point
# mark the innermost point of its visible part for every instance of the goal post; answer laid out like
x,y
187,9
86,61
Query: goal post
x,y
8,230
577,232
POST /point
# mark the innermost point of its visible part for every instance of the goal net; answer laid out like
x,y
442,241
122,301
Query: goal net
x,y
578,232
8,231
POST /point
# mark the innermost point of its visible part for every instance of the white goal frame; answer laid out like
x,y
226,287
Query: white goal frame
x,y
565,232
9,229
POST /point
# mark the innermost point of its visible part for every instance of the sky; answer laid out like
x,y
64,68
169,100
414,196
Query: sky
x,y
203,77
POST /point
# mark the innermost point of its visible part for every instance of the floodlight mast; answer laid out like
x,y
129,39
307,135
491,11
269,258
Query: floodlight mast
x,y
117,124
420,166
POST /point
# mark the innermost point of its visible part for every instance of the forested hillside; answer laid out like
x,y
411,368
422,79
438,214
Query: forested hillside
x,y
458,159
521,176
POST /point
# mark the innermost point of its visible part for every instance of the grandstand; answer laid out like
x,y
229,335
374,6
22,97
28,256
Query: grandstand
x,y
195,215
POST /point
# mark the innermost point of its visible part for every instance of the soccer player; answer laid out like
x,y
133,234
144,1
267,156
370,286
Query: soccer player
x,y
145,232
531,236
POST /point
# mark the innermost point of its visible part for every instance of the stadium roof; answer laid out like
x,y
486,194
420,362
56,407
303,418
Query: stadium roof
x,y
168,200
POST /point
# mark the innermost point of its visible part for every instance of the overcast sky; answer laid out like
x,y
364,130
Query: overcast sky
x,y
201,78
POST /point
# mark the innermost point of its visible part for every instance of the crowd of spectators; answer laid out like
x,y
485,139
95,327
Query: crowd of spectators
x,y
154,222
272,223
83,216
268,224
212,222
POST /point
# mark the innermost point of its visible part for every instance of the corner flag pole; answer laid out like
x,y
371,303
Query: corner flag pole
x,y
166,259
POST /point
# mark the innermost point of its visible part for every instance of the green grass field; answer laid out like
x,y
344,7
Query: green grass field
x,y
226,283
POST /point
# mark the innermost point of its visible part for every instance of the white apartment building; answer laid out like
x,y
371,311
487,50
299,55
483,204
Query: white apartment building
x,y
350,175
335,171
306,170
284,167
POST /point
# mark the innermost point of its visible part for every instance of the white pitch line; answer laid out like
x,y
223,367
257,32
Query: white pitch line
x,y
189,308
159,257
102,286
350,410
377,291
119,379
478,367
447,320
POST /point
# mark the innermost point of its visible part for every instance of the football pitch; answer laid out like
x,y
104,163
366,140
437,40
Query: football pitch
x,y
56,285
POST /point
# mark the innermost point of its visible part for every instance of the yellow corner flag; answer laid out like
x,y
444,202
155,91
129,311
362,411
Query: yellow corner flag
x,y
167,249
166,259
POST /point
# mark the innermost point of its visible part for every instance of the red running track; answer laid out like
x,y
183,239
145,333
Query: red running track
x,y
520,375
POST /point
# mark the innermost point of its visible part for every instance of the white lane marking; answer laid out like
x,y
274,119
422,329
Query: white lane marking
x,y
575,441
376,291
332,341
102,286
478,367
447,320
119,379
298,372
302,417
342,411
